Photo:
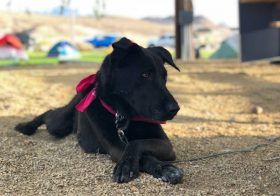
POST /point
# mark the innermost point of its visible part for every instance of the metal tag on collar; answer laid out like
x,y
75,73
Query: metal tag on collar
x,y
121,124
122,136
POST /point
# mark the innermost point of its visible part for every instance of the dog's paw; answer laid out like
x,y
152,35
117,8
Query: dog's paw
x,y
126,170
171,174
25,128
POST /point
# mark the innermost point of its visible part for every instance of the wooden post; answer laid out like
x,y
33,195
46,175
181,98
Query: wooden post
x,y
178,6
184,35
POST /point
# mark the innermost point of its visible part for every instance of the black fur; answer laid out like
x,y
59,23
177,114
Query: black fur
x,y
132,80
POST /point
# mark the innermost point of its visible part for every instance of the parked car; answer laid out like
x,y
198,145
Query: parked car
x,y
164,40
102,41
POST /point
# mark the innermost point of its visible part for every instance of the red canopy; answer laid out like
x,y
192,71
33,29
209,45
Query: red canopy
x,y
11,40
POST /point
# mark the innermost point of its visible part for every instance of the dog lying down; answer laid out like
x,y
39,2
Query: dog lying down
x,y
118,111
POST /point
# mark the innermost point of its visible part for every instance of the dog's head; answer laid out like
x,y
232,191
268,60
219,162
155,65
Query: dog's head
x,y
133,80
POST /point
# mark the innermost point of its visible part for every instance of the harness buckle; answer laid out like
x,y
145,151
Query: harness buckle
x,y
121,125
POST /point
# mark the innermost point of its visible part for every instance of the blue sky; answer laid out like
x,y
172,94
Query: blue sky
x,y
220,11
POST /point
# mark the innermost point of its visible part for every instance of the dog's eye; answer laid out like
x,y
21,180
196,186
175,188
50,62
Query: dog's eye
x,y
147,75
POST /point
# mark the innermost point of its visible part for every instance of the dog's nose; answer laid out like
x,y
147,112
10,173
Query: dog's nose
x,y
172,109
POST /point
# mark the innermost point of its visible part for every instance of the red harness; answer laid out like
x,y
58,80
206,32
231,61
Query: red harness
x,y
91,96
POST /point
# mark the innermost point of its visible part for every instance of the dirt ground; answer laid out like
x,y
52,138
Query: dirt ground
x,y
216,115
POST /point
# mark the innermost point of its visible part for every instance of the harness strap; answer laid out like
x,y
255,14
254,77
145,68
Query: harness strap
x,y
91,96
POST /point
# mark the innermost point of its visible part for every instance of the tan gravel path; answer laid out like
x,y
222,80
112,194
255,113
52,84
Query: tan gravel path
x,y
216,101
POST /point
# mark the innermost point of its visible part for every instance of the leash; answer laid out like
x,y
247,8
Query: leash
x,y
121,124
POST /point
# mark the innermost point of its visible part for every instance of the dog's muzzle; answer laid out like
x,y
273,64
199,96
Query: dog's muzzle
x,y
171,110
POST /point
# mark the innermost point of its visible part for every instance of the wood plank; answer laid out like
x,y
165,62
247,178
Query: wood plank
x,y
259,1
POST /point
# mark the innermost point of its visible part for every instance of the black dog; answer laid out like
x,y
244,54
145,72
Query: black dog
x,y
132,82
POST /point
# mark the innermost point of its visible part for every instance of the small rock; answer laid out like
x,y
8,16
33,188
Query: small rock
x,y
232,120
134,189
232,184
28,143
6,107
257,110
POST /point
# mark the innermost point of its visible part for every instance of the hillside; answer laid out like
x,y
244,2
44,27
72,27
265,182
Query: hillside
x,y
42,27
205,30
199,22
48,29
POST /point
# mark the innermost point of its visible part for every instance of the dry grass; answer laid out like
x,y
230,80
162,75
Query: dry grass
x,y
216,102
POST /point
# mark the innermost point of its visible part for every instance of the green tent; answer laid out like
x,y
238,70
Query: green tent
x,y
229,49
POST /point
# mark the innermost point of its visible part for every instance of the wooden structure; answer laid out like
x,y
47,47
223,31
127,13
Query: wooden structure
x,y
259,22
183,26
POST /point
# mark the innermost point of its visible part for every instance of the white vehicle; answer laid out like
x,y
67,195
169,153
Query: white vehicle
x,y
164,40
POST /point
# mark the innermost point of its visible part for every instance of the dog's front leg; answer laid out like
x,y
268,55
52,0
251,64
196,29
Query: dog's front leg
x,y
160,169
128,166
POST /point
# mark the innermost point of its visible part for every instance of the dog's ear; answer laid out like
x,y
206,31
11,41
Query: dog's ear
x,y
165,55
122,47
123,44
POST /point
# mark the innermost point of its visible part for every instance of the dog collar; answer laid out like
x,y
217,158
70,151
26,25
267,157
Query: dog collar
x,y
91,96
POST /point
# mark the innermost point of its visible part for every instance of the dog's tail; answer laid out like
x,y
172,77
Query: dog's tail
x,y
29,128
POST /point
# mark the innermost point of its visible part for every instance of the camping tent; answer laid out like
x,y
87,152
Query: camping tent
x,y
64,51
102,41
229,49
25,38
11,48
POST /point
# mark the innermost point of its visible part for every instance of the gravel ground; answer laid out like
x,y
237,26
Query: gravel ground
x,y
217,114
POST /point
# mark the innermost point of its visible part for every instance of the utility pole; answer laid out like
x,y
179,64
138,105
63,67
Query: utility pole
x,y
72,26
9,5
64,4
184,34
99,7
72,21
